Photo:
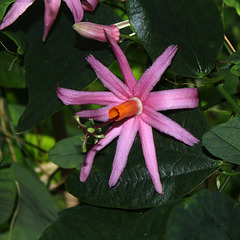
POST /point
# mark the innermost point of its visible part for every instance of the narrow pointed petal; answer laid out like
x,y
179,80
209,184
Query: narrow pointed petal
x,y
153,74
89,5
112,133
124,145
76,8
51,11
100,114
149,152
173,99
109,80
168,126
74,97
126,71
17,9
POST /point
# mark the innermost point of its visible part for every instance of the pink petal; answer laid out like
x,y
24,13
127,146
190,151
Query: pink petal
x,y
51,11
109,80
126,71
17,9
173,99
74,97
149,152
89,5
100,114
124,145
112,133
168,126
76,8
153,74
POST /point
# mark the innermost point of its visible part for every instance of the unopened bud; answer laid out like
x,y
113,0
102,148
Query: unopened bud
x,y
96,31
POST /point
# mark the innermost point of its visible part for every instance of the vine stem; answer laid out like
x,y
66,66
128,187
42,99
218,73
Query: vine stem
x,y
226,181
229,98
15,212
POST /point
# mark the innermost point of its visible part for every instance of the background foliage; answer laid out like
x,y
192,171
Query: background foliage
x,y
40,143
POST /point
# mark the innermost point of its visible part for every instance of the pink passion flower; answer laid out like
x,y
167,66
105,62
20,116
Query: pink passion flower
x,y
51,10
134,109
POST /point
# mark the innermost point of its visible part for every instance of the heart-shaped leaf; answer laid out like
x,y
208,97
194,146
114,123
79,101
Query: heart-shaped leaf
x,y
87,222
205,215
159,23
223,141
67,153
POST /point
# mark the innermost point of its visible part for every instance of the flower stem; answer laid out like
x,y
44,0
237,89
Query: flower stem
x,y
229,98
226,181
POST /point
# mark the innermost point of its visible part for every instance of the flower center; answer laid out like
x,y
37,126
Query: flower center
x,y
127,109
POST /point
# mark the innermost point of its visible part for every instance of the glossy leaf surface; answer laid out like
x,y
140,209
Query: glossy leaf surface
x,y
185,23
87,222
223,141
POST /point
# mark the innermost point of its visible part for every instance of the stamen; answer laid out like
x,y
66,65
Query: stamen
x,y
92,131
127,109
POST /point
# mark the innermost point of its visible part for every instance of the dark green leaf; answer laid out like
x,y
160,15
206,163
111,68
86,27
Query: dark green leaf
x,y
86,222
150,226
223,141
159,23
7,193
205,215
233,226
67,153
61,59
11,74
36,207
181,167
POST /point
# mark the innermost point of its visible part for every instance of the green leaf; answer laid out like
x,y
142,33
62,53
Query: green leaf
x,y
205,215
87,222
236,69
7,193
18,37
36,206
67,153
151,225
195,26
15,111
12,74
60,60
223,141
233,226
3,6
234,58
233,3
181,168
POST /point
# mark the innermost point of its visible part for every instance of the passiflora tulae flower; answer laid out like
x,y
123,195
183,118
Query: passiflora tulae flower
x,y
133,108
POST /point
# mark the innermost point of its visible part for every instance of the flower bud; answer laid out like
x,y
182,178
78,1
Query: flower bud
x,y
96,31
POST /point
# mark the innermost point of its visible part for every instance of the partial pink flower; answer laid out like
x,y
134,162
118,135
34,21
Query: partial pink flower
x,y
96,31
134,108
51,10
